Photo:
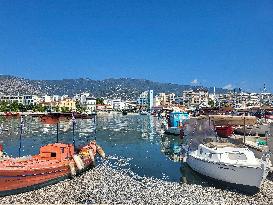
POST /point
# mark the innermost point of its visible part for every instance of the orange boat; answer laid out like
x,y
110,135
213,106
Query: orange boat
x,y
55,162
12,114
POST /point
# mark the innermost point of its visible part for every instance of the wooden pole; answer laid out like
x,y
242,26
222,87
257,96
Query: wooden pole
x,y
244,129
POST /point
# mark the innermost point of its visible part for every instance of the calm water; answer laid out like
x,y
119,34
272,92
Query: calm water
x,y
137,137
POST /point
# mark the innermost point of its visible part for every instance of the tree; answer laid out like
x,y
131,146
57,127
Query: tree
x,y
99,101
64,109
40,108
4,106
14,106
56,108
79,107
30,107
211,103
22,107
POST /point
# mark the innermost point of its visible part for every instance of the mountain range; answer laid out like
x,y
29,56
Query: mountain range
x,y
125,88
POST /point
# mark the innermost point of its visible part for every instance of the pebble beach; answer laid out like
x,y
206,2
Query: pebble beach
x,y
108,184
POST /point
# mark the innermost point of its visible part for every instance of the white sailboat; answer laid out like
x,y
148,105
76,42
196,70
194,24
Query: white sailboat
x,y
229,163
222,161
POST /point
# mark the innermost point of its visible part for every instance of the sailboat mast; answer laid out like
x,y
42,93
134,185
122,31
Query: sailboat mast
x,y
21,133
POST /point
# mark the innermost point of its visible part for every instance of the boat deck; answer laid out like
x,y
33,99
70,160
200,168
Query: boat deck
x,y
220,144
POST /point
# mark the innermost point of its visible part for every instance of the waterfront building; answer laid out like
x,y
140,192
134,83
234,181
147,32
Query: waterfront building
x,y
162,99
146,99
56,98
196,98
100,107
129,104
170,98
46,99
178,100
69,104
21,99
143,99
157,101
90,104
115,104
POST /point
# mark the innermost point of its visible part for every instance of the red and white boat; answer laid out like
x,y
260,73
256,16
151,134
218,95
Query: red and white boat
x,y
55,162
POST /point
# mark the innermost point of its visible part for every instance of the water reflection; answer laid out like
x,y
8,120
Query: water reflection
x,y
136,137
171,146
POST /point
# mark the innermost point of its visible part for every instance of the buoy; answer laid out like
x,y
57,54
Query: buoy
x,y
78,161
72,169
91,154
100,151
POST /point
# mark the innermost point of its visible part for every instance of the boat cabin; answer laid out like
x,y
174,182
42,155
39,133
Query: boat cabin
x,y
226,153
177,118
57,151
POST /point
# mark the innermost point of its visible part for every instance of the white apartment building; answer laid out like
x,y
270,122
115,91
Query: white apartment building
x,y
196,98
90,104
21,99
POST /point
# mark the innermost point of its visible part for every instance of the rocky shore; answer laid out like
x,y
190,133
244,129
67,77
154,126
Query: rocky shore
x,y
107,185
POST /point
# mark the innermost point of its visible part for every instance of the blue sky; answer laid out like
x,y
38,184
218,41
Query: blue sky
x,y
210,43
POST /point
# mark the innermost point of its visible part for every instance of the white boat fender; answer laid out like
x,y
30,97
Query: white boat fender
x,y
100,151
72,169
78,161
184,159
91,154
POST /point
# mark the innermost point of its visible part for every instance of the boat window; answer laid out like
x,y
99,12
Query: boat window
x,y
53,154
237,156
201,151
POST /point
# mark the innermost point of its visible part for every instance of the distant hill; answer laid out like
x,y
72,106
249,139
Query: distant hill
x,y
13,85
125,88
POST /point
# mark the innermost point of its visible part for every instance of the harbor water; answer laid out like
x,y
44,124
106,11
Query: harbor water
x,y
142,166
139,139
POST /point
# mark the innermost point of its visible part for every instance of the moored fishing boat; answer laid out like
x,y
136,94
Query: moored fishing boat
x,y
55,162
175,123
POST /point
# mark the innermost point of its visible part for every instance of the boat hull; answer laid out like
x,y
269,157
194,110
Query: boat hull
x,y
250,178
22,181
173,131
33,187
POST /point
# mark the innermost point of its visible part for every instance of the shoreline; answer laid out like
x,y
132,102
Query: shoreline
x,y
107,185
